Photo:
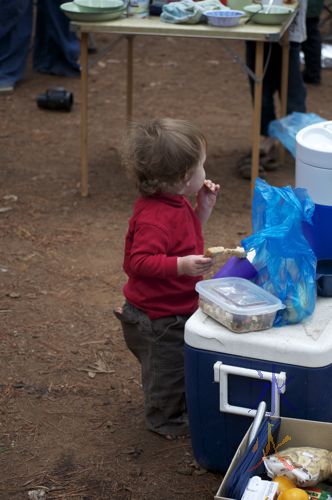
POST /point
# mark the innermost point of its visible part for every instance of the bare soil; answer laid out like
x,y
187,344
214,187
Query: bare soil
x,y
71,408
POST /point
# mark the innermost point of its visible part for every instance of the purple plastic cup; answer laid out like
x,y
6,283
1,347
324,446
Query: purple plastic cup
x,y
236,267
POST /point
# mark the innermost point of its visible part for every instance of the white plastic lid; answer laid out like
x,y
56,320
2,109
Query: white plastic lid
x,y
239,296
314,145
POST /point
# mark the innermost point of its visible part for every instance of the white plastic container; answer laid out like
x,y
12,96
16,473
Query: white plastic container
x,y
314,173
314,161
238,304
138,8
258,489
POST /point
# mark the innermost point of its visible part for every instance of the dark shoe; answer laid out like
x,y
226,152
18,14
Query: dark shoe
x,y
269,161
244,167
245,171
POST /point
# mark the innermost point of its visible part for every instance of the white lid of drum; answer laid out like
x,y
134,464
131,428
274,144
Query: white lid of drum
x,y
314,145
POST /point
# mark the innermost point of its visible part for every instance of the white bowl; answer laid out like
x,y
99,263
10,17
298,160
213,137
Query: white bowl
x,y
223,18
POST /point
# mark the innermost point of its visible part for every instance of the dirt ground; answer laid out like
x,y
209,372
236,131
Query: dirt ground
x,y
71,409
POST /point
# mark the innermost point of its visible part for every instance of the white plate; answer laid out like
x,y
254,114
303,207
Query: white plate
x,y
72,10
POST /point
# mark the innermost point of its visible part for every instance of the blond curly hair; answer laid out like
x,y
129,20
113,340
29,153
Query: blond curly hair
x,y
162,153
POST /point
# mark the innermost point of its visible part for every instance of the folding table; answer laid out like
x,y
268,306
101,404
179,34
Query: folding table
x,y
153,26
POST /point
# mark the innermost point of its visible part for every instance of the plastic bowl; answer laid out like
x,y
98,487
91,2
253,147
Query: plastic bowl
x,y
277,13
223,18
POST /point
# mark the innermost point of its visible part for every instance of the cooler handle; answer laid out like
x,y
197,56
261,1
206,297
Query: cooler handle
x,y
278,382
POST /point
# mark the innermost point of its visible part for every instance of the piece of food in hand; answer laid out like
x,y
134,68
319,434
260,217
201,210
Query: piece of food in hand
x,y
214,251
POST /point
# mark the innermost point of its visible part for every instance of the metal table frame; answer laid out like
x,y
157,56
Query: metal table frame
x,y
152,26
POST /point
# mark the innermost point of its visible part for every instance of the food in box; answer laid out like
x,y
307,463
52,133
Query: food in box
x,y
238,304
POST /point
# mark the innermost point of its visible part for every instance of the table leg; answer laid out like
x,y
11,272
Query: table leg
x,y
284,88
130,50
84,114
258,91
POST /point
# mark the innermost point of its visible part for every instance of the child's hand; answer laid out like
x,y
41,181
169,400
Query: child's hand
x,y
194,265
206,199
207,195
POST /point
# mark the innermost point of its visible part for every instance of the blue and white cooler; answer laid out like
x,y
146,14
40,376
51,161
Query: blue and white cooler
x,y
228,374
314,172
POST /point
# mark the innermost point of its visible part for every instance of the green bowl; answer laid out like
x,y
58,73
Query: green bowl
x,y
74,12
99,5
277,13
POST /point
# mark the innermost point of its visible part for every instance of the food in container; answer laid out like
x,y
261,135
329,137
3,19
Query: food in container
x,y
238,304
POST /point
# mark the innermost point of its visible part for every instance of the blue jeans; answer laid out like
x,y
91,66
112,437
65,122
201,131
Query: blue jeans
x,y
297,92
55,49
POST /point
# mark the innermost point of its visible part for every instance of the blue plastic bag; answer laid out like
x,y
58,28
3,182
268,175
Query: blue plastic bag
x,y
284,260
286,128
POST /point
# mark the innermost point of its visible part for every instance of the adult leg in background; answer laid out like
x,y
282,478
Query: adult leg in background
x,y
297,92
270,86
270,83
56,48
312,48
15,35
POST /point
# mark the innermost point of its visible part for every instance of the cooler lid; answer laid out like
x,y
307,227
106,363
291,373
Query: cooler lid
x,y
314,145
307,344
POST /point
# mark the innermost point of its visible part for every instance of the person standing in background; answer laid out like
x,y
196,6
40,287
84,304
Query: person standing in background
x,y
296,98
55,48
312,46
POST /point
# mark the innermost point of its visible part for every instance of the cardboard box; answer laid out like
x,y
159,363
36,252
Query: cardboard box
x,y
301,432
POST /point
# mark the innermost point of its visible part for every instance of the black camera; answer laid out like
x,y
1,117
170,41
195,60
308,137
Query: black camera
x,y
56,98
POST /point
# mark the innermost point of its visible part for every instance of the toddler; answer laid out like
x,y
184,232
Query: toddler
x,y
164,260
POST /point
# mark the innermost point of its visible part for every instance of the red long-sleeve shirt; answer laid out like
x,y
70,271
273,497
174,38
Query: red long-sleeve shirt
x,y
161,229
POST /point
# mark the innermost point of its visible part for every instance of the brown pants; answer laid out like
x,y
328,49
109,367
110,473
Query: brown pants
x,y
158,346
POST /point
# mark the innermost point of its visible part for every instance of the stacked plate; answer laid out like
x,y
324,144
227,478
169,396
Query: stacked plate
x,y
263,14
94,10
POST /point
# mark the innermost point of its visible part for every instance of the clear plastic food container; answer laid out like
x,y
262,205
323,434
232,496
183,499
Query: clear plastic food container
x,y
238,304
